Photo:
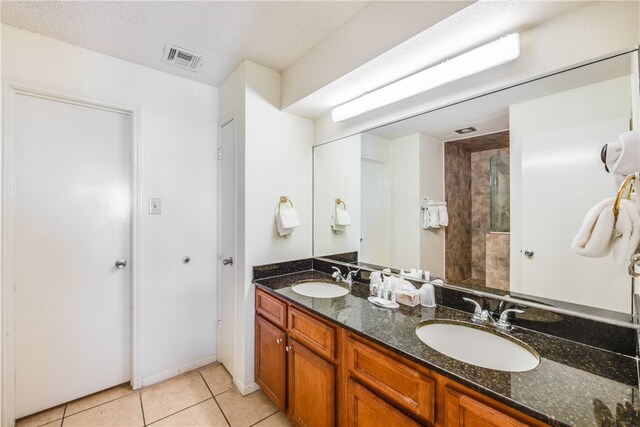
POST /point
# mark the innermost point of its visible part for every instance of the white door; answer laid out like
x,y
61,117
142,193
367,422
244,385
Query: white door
x,y
72,216
371,240
226,332
558,166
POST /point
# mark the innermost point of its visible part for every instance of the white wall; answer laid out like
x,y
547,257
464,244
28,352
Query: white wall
x,y
378,149
336,168
586,32
274,158
432,242
178,139
405,202
556,177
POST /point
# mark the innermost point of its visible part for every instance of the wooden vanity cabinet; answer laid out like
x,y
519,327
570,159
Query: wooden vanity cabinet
x,y
295,361
270,361
312,383
323,375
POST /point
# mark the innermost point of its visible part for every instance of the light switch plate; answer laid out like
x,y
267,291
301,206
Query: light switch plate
x,y
155,206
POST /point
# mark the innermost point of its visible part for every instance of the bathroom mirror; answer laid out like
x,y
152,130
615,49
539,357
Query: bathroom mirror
x,y
516,187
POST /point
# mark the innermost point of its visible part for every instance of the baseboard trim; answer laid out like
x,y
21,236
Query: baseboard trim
x,y
246,389
169,373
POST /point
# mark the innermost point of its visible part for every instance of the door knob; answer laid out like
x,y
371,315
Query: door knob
x,y
279,341
227,261
121,263
528,253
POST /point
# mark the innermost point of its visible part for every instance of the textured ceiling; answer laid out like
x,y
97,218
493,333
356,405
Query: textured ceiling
x,y
270,33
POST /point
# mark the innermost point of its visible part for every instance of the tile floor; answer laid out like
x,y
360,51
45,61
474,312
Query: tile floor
x,y
204,397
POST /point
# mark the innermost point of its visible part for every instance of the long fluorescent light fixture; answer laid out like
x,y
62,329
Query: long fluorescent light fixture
x,y
482,58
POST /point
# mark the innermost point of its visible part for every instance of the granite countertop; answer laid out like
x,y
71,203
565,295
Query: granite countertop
x,y
574,384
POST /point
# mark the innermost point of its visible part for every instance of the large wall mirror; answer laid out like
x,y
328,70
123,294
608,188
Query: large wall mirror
x,y
516,187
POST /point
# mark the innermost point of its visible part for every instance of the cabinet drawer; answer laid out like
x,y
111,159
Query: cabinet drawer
x,y
271,309
400,383
365,409
462,410
312,332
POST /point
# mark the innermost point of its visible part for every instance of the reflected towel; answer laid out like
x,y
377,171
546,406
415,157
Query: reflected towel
x,y
334,226
600,233
443,216
287,220
342,216
434,217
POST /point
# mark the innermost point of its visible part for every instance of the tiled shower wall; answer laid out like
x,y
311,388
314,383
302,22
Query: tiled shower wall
x,y
457,182
481,208
467,193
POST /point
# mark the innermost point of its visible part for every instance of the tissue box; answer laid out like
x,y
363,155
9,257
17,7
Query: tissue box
x,y
408,297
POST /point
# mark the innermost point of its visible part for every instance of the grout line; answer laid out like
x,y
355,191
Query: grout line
x,y
144,421
64,413
93,407
270,415
216,400
181,410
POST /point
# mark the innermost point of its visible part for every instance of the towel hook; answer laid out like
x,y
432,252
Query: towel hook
x,y
283,200
627,184
339,201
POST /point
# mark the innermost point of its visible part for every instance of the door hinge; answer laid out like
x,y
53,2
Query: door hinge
x,y
220,153
219,326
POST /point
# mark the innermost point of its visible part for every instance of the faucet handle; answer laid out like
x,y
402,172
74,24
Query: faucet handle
x,y
478,310
504,318
336,272
352,273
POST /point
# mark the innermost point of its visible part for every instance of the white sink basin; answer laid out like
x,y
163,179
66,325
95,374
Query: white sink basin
x,y
478,346
320,290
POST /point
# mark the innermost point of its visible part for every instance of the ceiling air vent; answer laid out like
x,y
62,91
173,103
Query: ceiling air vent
x,y
182,58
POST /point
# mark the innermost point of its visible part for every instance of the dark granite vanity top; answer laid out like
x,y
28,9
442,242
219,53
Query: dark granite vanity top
x,y
574,384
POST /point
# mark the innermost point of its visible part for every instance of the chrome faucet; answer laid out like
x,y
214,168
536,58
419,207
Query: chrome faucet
x,y
503,322
481,316
340,278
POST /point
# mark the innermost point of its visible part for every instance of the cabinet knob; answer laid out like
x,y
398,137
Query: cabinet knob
x,y
279,341
287,348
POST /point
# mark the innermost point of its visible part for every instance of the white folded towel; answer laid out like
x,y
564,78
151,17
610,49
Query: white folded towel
x,y
342,216
628,229
443,216
334,226
286,220
434,216
600,232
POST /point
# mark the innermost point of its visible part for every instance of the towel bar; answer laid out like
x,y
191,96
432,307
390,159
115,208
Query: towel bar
x,y
341,202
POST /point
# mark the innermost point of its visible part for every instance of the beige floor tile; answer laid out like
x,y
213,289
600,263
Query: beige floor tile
x,y
171,396
57,423
247,410
98,399
276,420
203,414
41,418
125,411
217,378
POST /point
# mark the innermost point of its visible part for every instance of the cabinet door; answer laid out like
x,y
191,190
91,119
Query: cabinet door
x,y
463,411
311,388
365,409
270,361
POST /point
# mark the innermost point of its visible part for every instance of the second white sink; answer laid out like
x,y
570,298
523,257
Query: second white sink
x,y
478,346
320,290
